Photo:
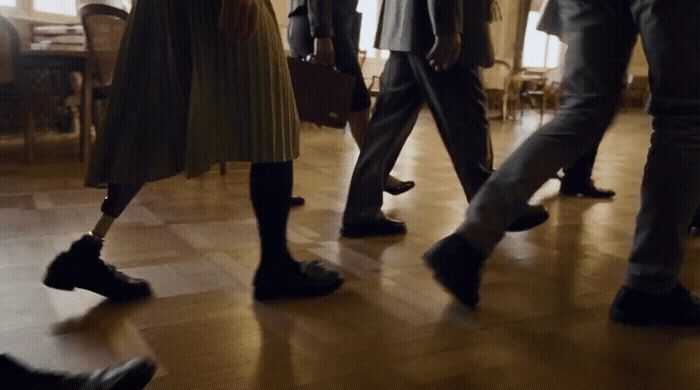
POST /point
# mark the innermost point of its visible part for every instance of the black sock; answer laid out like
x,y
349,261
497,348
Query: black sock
x,y
270,191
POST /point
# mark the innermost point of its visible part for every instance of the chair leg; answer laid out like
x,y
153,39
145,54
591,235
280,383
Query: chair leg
x,y
222,169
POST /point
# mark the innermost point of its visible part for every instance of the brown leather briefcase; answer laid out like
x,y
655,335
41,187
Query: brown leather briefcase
x,y
323,94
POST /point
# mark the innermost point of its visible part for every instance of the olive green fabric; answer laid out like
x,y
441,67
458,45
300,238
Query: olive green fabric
x,y
185,97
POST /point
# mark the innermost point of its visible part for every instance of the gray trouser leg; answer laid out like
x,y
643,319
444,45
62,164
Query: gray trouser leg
x,y
671,184
457,102
600,44
395,113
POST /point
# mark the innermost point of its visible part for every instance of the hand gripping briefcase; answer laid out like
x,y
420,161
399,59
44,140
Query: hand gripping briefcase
x,y
323,94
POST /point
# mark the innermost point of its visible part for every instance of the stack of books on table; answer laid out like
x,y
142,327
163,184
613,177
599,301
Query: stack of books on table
x,y
58,37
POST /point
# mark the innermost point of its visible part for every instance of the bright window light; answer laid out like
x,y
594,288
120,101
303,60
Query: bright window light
x,y
62,7
540,50
369,11
8,3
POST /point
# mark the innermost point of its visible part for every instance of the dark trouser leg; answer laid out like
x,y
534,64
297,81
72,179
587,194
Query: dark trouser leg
x,y
600,44
582,170
394,115
671,184
118,197
278,275
457,101
270,189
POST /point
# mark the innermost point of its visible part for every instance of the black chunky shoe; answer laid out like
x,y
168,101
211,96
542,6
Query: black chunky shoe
x,y
400,187
81,267
584,189
133,375
676,308
456,265
295,280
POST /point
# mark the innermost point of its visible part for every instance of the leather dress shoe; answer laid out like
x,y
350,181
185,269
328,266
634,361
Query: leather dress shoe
x,y
679,307
81,267
379,226
296,201
532,217
457,265
584,189
400,188
133,375
295,280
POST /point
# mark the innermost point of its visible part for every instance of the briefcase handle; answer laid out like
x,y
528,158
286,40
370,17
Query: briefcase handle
x,y
312,60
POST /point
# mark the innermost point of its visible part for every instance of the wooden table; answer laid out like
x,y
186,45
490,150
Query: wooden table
x,y
70,59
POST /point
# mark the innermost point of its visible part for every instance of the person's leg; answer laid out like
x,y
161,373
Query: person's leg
x,y
279,275
301,44
133,375
81,266
600,44
457,101
671,183
395,112
578,181
346,61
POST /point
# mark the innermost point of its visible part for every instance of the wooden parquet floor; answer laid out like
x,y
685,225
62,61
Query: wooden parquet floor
x,y
542,323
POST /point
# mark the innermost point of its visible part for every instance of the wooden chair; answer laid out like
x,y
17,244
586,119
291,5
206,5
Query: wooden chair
x,y
496,81
14,87
104,28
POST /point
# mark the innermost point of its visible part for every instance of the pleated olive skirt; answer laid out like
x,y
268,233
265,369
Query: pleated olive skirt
x,y
185,97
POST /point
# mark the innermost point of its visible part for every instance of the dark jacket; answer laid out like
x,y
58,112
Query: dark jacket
x,y
550,22
412,25
320,13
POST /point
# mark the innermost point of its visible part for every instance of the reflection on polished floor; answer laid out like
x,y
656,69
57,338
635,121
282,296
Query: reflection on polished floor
x,y
542,323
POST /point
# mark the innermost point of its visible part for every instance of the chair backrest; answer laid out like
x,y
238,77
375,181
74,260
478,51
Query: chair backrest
x,y
104,28
497,76
10,52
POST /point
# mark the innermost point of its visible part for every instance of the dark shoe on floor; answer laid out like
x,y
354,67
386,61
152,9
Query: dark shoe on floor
x,y
133,375
400,188
295,280
677,308
456,265
381,225
296,201
584,189
81,267
533,216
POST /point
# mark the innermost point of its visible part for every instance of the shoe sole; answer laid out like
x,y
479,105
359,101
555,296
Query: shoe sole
x,y
275,294
352,234
58,284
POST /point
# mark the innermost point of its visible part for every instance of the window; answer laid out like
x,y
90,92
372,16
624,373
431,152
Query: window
x,y
61,7
8,3
370,15
540,50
